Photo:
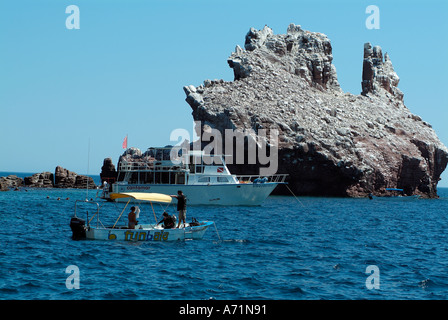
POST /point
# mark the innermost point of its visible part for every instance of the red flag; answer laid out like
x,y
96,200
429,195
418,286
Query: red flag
x,y
125,143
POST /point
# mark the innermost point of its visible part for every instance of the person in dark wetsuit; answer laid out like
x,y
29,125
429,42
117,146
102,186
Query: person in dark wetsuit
x,y
168,222
181,206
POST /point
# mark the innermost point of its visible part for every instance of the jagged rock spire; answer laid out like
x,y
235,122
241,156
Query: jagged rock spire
x,y
379,74
305,54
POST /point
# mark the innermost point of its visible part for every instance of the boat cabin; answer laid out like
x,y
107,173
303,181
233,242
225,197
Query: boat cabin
x,y
165,166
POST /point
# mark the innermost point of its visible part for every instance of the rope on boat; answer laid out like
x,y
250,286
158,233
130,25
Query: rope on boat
x,y
96,214
294,196
155,218
217,231
121,214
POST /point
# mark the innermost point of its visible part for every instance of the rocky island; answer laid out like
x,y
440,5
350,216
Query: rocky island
x,y
10,182
62,178
332,143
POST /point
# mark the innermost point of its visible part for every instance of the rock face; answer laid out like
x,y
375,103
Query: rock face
x,y
378,74
108,171
9,182
330,142
40,180
64,178
135,155
301,53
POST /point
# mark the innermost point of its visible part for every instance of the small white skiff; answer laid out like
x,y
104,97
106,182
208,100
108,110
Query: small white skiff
x,y
142,232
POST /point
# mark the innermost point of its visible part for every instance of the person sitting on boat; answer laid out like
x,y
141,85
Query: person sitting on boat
x,y
132,219
181,206
168,221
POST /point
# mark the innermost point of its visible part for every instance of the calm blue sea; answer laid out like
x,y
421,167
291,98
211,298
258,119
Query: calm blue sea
x,y
318,248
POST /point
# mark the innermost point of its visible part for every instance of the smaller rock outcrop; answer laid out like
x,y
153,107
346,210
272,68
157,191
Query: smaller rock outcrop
x,y
40,180
108,171
64,178
134,157
9,182
83,182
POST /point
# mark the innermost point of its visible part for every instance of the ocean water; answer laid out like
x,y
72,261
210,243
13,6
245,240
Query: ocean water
x,y
299,249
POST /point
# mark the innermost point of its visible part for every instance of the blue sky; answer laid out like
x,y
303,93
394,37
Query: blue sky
x,y
123,71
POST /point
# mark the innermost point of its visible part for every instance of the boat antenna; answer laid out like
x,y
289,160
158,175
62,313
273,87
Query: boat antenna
x,y
88,167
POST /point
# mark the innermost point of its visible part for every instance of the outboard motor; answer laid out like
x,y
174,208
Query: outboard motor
x,y
78,227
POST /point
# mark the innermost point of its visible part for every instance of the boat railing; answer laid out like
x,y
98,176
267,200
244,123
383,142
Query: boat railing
x,y
96,210
154,165
277,178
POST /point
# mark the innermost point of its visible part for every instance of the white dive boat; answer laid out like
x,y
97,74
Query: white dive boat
x,y
141,232
202,183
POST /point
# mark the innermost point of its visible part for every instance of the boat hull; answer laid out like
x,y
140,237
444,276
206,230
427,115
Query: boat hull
x,y
248,194
148,233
